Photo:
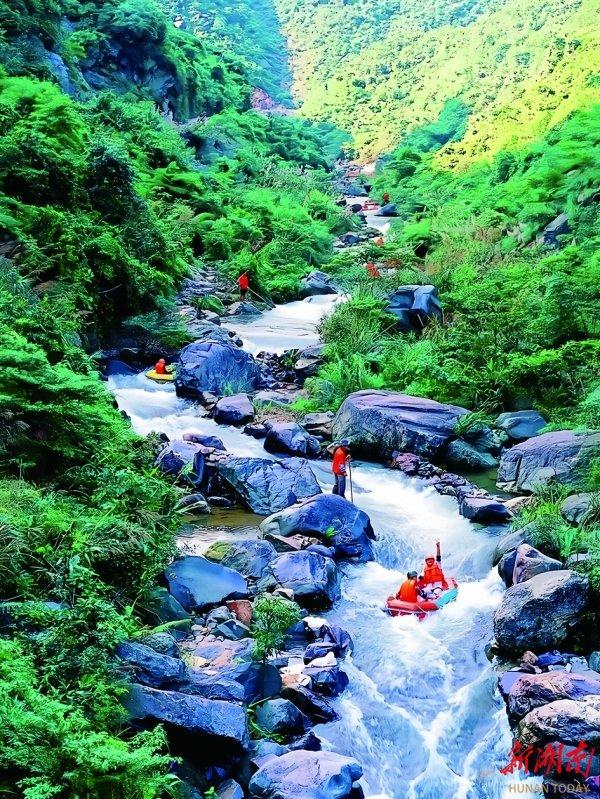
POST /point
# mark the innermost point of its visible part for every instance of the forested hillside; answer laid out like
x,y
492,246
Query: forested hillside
x,y
128,156
380,68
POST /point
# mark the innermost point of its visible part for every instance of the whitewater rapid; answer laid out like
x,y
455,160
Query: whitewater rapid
x,y
421,713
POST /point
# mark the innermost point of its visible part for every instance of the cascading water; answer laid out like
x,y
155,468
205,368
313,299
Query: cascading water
x,y
421,713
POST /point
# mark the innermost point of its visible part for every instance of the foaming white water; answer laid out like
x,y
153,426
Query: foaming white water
x,y
421,712
285,327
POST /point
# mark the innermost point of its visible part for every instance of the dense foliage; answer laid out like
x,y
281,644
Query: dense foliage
x,y
380,68
520,317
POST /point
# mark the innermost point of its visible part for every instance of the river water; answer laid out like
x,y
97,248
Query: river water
x,y
421,713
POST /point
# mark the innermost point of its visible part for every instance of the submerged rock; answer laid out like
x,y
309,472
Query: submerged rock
x,y
380,422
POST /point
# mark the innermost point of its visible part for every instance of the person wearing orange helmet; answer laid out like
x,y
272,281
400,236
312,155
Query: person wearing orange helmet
x,y
433,578
161,367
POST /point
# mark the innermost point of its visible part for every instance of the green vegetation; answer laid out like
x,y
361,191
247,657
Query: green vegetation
x,y
381,68
272,617
520,320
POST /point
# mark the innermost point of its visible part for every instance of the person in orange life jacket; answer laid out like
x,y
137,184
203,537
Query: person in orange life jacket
x,y
244,284
385,198
409,591
433,581
161,367
378,242
372,269
339,467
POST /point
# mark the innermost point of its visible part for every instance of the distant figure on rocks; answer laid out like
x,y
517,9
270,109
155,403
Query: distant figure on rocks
x,y
372,269
244,285
161,367
385,198
339,467
433,581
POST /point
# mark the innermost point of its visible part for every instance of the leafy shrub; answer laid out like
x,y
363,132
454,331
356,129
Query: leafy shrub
x,y
272,617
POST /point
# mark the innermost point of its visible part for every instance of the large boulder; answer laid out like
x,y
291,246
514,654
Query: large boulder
x,y
249,557
539,613
317,283
414,306
549,236
576,508
462,455
327,680
534,690
213,686
308,362
281,717
243,308
150,667
510,541
550,457
318,710
329,517
213,726
318,424
567,720
215,366
381,422
389,209
196,583
529,562
306,775
520,425
236,409
484,509
314,579
178,455
266,486
288,438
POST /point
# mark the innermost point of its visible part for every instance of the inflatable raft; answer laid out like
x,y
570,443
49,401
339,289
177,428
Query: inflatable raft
x,y
422,608
152,374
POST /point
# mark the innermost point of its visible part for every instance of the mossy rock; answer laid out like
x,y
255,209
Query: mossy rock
x,y
217,551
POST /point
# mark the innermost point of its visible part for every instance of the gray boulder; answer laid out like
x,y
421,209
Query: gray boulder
x,y
213,686
230,789
381,422
163,643
387,210
484,509
576,507
329,517
258,680
249,557
567,720
463,455
308,362
288,438
327,680
414,306
506,567
529,561
178,455
317,283
549,235
266,486
210,442
306,775
318,710
217,367
520,425
150,667
510,541
318,424
540,613
243,308
217,726
281,717
236,409
196,583
535,690
315,580
557,457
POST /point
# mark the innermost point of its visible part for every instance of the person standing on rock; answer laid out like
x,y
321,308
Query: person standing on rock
x,y
339,467
244,285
